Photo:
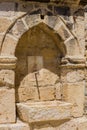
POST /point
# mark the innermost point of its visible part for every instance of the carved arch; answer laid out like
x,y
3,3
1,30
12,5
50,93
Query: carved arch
x,y
26,22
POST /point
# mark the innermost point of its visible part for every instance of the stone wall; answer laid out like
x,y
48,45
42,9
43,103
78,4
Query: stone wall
x,y
42,66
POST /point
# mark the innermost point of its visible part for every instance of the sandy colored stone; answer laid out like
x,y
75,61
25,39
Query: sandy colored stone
x,y
7,105
44,111
58,89
27,93
72,75
74,93
7,78
47,93
4,24
9,45
16,126
18,29
74,124
72,44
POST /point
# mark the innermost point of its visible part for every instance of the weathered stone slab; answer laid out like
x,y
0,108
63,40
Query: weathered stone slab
x,y
7,105
44,111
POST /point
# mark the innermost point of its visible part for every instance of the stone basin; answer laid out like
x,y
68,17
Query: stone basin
x,y
44,111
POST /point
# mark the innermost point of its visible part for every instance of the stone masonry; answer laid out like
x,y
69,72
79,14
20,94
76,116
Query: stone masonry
x,y
43,65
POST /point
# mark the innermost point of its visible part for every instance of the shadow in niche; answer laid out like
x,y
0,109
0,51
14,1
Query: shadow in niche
x,y
49,124
39,49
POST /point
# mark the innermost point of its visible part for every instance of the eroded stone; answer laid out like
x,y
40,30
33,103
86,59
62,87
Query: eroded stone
x,y
44,111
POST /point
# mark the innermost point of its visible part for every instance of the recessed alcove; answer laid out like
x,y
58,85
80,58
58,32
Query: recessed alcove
x,y
37,71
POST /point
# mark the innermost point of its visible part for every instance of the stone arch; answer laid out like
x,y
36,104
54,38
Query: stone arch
x,y
26,22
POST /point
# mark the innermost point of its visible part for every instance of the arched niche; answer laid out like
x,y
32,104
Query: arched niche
x,y
39,52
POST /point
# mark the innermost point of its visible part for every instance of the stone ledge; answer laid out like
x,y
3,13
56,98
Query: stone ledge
x,y
44,111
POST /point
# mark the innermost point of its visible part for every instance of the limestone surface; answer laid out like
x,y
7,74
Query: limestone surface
x,y
44,111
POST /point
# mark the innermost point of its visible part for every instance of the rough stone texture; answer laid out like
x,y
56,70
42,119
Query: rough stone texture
x,y
47,93
80,33
17,126
4,24
71,92
46,32
74,124
7,105
72,75
27,93
63,32
44,111
7,78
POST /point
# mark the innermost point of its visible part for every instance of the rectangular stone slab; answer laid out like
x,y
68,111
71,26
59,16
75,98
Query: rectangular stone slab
x,y
44,111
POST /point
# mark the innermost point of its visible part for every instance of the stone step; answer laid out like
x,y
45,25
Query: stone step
x,y
17,126
44,111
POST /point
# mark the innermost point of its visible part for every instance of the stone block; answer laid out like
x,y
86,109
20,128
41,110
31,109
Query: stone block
x,y
27,93
9,45
7,105
18,29
47,93
63,32
72,75
7,78
44,111
51,21
4,24
74,93
72,44
32,20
